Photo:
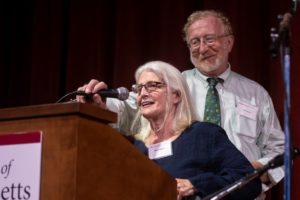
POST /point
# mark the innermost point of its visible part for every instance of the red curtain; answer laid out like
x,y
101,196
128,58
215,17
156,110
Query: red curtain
x,y
51,47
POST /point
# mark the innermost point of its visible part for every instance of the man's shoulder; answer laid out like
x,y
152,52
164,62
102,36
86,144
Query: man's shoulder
x,y
243,80
189,72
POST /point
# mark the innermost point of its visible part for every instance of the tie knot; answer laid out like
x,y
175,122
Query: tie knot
x,y
212,82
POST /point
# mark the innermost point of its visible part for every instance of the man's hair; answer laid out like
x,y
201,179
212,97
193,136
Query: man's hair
x,y
207,13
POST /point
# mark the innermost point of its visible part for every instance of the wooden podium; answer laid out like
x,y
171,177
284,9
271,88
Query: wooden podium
x,y
83,158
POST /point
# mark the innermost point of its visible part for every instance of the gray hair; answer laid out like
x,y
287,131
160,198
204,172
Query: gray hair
x,y
207,13
175,83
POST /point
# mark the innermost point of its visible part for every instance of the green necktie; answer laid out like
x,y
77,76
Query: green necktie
x,y
212,111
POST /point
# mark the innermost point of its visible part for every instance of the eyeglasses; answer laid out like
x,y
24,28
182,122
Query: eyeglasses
x,y
209,40
149,86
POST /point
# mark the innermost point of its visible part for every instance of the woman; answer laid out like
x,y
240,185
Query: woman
x,y
198,154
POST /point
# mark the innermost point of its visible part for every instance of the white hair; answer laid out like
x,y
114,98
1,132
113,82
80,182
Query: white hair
x,y
175,82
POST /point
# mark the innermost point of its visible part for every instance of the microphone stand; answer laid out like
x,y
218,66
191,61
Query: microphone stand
x,y
282,40
275,162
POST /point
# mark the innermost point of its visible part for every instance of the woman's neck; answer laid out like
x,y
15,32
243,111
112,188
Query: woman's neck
x,y
161,130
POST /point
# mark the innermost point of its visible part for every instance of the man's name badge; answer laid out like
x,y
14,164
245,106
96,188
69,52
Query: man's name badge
x,y
247,110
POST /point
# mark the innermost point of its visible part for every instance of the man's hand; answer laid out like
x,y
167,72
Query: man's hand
x,y
264,177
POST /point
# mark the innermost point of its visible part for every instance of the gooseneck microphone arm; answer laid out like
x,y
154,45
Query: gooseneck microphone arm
x,y
275,162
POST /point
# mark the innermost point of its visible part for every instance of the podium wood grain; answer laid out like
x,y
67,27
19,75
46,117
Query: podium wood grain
x,y
84,158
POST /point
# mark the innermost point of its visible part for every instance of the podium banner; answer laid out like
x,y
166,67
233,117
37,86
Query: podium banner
x,y
20,165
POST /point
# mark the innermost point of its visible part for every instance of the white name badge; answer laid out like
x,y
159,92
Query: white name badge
x,y
160,150
247,110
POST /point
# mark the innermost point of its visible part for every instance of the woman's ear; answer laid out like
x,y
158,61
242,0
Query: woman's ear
x,y
176,97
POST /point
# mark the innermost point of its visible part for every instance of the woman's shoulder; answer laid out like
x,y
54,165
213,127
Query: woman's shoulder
x,y
140,145
205,128
204,125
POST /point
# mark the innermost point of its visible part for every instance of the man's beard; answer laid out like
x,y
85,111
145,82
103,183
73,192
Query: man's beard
x,y
206,66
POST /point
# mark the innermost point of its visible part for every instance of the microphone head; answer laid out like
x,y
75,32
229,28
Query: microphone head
x,y
123,93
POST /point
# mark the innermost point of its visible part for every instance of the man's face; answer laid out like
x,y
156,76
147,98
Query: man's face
x,y
209,46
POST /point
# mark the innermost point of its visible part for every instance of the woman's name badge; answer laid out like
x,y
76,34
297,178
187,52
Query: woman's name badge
x,y
160,150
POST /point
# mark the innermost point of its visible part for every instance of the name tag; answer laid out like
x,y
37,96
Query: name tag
x,y
160,150
247,110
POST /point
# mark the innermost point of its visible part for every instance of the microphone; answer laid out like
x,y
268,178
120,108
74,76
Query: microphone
x,y
120,93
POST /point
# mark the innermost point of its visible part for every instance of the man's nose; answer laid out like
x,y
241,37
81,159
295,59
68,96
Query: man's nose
x,y
203,47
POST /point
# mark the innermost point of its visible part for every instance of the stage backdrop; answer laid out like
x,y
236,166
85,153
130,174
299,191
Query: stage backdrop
x,y
51,47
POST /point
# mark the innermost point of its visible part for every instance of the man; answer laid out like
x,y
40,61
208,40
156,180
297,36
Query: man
x,y
247,112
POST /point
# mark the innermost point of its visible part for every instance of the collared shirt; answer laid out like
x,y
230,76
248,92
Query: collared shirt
x,y
247,115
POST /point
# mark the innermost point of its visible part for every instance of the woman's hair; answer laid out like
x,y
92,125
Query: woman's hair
x,y
195,16
175,82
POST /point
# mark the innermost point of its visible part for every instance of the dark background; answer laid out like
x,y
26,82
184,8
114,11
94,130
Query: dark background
x,y
51,47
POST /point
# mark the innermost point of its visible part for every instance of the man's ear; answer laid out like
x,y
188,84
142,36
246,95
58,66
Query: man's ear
x,y
229,43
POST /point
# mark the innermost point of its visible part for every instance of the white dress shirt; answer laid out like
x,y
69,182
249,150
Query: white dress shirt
x,y
247,115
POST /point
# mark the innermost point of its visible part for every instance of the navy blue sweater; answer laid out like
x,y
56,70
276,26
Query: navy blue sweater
x,y
204,155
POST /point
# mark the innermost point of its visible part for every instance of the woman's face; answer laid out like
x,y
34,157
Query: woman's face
x,y
152,96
